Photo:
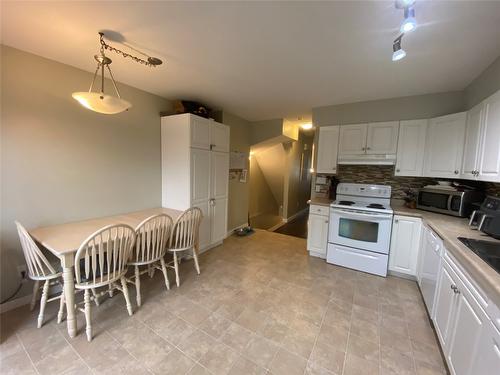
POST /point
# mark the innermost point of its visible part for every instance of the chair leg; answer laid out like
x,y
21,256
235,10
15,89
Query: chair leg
x,y
138,286
125,294
43,302
61,308
36,288
110,291
96,297
164,270
195,256
88,316
176,266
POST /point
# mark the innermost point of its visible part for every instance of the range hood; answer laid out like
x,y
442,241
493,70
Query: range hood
x,y
379,159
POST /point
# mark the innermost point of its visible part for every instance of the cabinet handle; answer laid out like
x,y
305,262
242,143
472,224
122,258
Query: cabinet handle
x,y
398,170
363,148
368,148
456,172
396,221
455,289
326,221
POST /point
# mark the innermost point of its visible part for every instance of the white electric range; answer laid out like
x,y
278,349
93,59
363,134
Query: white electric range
x,y
359,233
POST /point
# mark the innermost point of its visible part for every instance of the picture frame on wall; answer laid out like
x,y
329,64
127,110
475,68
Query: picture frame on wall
x,y
243,175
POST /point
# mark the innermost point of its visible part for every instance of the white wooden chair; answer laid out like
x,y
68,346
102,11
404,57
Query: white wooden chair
x,y
185,237
40,270
151,243
104,255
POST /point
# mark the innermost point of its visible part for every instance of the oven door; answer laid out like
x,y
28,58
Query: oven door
x,y
360,229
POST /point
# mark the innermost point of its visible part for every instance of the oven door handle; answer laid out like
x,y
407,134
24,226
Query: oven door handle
x,y
360,214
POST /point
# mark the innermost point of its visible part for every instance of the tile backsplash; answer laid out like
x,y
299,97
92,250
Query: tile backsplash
x,y
384,175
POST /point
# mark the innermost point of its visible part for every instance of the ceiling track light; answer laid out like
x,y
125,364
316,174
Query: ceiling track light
x,y
397,52
409,23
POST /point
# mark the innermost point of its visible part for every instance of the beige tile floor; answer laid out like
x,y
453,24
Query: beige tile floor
x,y
260,306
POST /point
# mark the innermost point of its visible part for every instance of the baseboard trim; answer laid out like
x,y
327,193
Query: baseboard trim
x,y
15,303
296,215
277,226
401,275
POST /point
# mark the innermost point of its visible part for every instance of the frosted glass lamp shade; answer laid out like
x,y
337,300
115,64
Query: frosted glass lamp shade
x,y
101,103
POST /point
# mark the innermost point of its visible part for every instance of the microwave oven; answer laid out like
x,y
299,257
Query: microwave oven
x,y
449,202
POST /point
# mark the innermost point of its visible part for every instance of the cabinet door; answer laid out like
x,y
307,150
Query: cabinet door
x,y
218,219
445,305
352,139
489,164
382,137
472,142
470,320
411,148
328,142
200,132
488,362
317,234
204,239
219,174
200,175
219,137
444,146
405,245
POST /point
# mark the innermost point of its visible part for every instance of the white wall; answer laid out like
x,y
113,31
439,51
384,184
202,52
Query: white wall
x,y
61,162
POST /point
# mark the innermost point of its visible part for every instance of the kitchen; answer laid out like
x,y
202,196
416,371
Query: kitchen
x,y
400,148
439,233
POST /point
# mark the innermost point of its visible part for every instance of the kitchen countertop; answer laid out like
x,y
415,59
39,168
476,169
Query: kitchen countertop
x,y
320,201
449,228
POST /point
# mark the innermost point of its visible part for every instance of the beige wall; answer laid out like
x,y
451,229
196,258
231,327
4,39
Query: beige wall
x,y
404,108
261,199
484,85
264,130
238,191
61,162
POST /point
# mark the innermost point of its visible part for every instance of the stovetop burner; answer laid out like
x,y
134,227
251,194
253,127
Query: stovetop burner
x,y
346,203
376,205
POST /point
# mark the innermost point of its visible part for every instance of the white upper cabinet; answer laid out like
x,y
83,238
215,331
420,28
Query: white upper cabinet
x,y
353,139
328,142
200,133
411,148
382,137
472,141
444,146
489,152
219,137
482,141
405,244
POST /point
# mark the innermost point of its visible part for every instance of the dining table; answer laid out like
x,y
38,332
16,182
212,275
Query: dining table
x,y
63,240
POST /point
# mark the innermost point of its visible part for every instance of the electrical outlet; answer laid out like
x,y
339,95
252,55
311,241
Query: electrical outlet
x,y
22,271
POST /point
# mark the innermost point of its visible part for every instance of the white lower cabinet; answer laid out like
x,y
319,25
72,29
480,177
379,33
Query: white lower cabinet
x,y
317,231
405,244
487,362
469,340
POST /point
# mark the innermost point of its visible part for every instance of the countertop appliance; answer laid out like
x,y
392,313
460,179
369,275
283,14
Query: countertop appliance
x,y
360,227
448,201
428,269
488,251
487,218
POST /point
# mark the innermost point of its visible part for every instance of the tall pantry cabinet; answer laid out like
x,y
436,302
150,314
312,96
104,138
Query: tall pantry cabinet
x,y
195,171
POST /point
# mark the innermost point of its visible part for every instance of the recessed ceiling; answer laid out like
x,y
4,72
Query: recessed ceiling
x,y
264,60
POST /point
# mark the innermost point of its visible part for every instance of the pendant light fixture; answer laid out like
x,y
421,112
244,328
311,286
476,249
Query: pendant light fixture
x,y
99,101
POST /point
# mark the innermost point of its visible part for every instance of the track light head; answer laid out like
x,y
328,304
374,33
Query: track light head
x,y
409,23
398,53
